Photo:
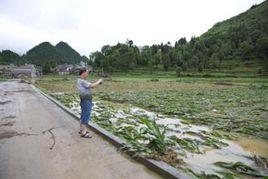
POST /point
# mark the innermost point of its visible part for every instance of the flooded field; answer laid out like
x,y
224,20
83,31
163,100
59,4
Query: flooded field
x,y
206,130
198,148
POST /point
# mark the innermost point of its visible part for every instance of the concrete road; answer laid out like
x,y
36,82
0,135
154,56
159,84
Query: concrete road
x,y
39,140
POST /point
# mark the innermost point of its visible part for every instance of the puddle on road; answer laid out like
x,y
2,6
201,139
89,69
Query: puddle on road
x,y
8,117
11,123
5,102
8,134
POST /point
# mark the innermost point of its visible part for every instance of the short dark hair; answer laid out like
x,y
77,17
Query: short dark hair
x,y
82,70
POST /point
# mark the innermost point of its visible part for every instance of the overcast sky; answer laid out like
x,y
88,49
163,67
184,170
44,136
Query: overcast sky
x,y
87,25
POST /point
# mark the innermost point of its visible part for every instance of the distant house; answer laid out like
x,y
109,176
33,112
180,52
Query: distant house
x,y
90,68
25,71
82,64
64,69
76,68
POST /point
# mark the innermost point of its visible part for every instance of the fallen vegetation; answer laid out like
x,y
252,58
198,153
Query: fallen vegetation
x,y
182,118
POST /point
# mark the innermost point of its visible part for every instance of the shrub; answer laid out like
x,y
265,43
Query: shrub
x,y
154,80
178,71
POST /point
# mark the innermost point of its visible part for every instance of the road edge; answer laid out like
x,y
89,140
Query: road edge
x,y
160,167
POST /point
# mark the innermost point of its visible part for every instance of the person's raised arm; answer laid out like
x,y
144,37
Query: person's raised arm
x,y
93,85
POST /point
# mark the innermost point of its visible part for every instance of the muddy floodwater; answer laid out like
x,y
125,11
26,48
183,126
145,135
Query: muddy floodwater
x,y
255,146
210,149
231,153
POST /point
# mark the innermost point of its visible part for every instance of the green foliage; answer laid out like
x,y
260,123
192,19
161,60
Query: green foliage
x,y
121,57
8,57
146,56
68,54
238,109
154,80
158,141
187,144
40,54
48,66
61,53
178,71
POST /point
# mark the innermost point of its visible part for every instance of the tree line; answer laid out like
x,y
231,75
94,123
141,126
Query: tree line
x,y
243,38
197,54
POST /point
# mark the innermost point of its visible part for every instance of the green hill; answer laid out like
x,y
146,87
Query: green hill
x,y
47,53
247,25
243,37
42,53
8,57
69,55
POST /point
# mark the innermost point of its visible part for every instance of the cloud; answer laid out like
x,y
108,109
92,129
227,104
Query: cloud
x,y
87,25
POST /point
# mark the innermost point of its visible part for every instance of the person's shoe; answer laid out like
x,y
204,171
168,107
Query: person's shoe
x,y
86,135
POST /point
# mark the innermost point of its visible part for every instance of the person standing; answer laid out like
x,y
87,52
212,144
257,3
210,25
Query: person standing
x,y
84,89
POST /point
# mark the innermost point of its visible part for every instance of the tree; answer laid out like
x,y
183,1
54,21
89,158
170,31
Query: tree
x,y
146,56
106,49
214,60
262,47
96,58
180,42
176,57
126,57
166,61
7,57
90,62
237,33
245,50
157,58
178,71
48,66
129,43
193,62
